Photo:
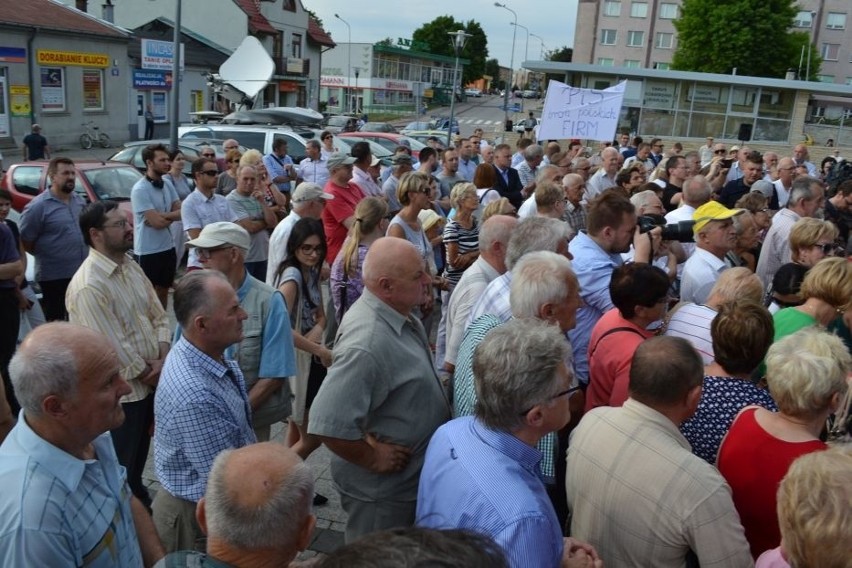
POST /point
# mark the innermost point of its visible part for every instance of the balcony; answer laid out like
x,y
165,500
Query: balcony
x,y
292,66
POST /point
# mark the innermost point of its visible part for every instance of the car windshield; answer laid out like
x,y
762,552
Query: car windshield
x,y
112,182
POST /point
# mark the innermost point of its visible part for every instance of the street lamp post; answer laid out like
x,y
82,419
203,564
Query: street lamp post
x,y
357,73
511,67
349,65
810,42
526,56
458,38
541,41
175,93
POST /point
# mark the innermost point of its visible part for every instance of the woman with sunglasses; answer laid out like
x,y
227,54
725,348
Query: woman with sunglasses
x,y
327,140
298,279
227,182
811,240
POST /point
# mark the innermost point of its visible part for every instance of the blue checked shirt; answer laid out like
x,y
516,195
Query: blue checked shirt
x,y
494,300
201,408
464,391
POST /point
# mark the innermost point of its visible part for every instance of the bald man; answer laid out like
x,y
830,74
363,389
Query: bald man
x,y
382,399
65,498
256,511
604,178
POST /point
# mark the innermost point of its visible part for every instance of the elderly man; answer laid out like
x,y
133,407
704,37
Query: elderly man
x,y
575,211
201,407
280,166
528,169
611,230
806,197
715,236
550,200
486,154
313,168
544,174
581,166
604,178
800,158
400,165
493,241
265,355
784,184
110,294
338,216
635,489
49,231
203,206
65,500
156,205
467,162
474,462
752,172
307,201
248,202
508,183
256,511
382,399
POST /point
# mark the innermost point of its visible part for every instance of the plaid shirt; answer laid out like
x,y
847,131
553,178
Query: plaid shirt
x,y
575,217
201,408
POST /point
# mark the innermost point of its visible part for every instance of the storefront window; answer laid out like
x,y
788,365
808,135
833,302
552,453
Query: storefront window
x,y
657,122
771,130
775,104
660,94
703,97
52,89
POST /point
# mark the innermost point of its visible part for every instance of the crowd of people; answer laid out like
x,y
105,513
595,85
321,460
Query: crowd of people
x,y
541,357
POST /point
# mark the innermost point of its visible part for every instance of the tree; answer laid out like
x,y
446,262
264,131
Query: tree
x,y
562,54
434,34
753,36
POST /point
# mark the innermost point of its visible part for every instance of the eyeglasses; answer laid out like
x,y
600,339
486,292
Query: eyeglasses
x,y
205,253
226,148
720,151
569,391
827,248
309,249
326,137
210,173
117,225
209,155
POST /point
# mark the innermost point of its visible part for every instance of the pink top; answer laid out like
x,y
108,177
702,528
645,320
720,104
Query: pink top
x,y
773,558
753,462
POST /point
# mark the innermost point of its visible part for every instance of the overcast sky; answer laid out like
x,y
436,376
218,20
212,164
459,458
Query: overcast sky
x,y
374,20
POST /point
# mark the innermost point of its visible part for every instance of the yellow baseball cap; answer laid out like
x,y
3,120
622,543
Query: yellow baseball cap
x,y
712,211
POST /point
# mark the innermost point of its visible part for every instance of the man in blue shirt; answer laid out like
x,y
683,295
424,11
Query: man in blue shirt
x,y
65,498
482,472
280,167
201,406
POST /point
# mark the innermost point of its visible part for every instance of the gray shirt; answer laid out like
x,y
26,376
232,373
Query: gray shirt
x,y
198,211
145,197
249,208
54,229
382,382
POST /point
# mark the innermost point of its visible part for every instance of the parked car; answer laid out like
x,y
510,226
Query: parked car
x,y
258,137
96,180
340,123
416,126
387,140
190,147
443,123
520,127
472,93
378,127
424,135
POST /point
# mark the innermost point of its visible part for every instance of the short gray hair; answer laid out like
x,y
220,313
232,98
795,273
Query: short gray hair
x,y
41,369
494,231
539,278
242,167
533,234
642,199
191,297
274,524
514,369
545,172
739,224
803,188
697,190
533,151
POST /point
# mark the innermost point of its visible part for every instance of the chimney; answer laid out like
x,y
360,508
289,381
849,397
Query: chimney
x,y
82,5
107,12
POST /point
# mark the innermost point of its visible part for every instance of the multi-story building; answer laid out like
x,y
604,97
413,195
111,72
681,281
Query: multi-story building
x,y
641,33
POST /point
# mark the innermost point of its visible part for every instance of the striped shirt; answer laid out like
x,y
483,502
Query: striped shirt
x,y
467,241
58,510
119,301
692,322
201,408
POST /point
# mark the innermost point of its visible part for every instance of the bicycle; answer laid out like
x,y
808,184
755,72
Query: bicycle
x,y
88,138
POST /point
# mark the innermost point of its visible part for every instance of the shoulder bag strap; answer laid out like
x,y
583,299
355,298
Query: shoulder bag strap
x,y
610,332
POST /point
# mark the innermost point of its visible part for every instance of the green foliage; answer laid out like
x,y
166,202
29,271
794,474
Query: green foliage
x,y
562,54
388,42
313,15
434,34
716,36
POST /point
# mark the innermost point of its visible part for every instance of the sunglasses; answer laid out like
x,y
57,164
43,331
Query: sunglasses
x,y
827,248
568,392
210,173
720,151
209,155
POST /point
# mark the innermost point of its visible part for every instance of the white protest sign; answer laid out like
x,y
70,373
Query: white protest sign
x,y
571,112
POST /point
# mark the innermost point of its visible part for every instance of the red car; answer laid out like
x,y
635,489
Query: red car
x,y
388,140
96,180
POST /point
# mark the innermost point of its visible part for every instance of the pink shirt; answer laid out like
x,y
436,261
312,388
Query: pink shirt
x,y
336,211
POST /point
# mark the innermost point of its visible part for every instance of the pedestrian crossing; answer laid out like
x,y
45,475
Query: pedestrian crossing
x,y
478,121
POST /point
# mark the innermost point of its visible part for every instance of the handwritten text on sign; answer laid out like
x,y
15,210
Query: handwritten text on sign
x,y
571,112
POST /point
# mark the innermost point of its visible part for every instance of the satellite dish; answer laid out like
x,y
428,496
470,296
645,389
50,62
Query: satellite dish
x,y
246,72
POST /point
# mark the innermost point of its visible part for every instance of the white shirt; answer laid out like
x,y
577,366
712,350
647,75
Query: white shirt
x,y
314,171
783,193
692,322
528,208
699,275
597,183
466,293
278,245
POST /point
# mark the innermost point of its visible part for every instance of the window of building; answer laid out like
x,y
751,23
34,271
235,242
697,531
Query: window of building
x,y
825,78
664,40
609,37
803,19
296,50
93,89
847,113
52,89
829,51
668,11
289,5
612,8
606,61
635,39
632,63
662,66
639,10
836,21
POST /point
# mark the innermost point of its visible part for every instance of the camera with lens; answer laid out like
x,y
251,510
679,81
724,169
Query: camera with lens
x,y
680,231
